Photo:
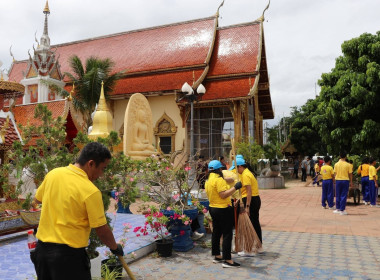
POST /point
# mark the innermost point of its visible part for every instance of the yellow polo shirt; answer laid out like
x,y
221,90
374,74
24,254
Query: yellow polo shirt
x,y
327,172
71,206
316,167
363,170
247,178
214,185
372,172
342,169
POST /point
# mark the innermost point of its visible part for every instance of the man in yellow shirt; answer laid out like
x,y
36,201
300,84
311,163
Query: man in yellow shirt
x,y
327,173
219,194
250,196
71,206
363,171
343,180
373,186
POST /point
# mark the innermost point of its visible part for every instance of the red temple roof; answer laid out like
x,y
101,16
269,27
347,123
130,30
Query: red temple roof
x,y
11,133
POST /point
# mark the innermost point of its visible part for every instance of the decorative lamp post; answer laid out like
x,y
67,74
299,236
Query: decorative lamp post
x,y
192,96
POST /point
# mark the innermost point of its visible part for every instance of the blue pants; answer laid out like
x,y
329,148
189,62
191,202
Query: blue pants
x,y
341,194
365,188
372,192
328,193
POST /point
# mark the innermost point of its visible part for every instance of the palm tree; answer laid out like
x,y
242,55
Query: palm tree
x,y
88,82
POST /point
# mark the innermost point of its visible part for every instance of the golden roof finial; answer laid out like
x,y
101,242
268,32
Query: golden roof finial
x,y
2,77
262,18
70,97
46,9
217,12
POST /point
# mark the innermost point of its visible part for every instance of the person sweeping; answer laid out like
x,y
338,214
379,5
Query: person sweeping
x,y
72,205
219,194
252,203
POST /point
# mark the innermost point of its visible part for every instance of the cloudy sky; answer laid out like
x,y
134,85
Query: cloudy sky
x,y
303,37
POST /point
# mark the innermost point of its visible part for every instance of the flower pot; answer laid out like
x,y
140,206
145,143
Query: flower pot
x,y
122,209
200,219
164,247
118,267
191,213
96,267
181,237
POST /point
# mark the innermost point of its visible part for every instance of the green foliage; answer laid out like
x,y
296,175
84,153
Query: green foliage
x,y
272,151
108,274
304,137
251,151
46,153
88,80
348,113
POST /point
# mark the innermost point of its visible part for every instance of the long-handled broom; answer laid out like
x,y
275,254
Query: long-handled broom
x,y
129,272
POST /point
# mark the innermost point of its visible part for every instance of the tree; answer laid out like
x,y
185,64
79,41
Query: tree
x,y
348,113
251,151
303,136
88,82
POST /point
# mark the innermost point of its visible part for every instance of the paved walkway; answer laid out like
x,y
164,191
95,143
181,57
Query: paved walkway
x,y
298,209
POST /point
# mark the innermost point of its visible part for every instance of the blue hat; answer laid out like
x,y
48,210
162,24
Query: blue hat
x,y
215,164
240,161
233,165
239,156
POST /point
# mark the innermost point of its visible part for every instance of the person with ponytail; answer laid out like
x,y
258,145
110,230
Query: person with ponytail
x,y
219,194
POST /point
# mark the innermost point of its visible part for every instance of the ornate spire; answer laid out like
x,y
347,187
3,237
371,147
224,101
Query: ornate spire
x,y
262,18
102,121
217,12
45,40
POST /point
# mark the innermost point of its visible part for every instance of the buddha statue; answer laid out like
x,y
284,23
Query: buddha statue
x,y
138,128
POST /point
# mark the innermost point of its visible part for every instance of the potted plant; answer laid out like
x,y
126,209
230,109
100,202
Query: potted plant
x,y
157,222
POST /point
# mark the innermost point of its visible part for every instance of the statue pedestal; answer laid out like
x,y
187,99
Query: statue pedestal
x,y
266,182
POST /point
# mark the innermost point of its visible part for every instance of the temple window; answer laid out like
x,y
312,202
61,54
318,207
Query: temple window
x,y
164,132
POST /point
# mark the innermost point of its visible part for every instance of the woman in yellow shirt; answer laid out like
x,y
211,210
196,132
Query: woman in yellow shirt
x,y
219,194
363,171
327,173
373,186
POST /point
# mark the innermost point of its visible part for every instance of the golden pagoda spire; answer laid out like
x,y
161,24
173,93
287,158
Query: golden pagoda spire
x,y
102,121
46,9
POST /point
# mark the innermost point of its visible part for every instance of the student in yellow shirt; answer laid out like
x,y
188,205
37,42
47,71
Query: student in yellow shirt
x,y
71,206
327,173
316,177
219,194
250,197
363,171
343,180
373,186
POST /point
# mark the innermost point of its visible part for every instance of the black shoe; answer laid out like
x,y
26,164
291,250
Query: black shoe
x,y
234,264
217,260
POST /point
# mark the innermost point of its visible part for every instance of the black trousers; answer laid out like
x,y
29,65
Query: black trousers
x,y
222,222
254,209
303,178
60,262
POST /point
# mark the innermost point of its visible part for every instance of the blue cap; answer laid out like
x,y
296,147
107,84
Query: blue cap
x,y
215,164
240,161
239,156
233,165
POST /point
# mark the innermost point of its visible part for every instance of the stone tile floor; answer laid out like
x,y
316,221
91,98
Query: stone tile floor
x,y
289,255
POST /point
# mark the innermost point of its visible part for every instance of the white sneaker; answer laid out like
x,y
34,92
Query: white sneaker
x,y
375,205
365,202
343,212
244,254
324,207
331,208
336,211
197,235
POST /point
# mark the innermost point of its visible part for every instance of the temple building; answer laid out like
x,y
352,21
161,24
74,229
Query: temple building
x,y
229,61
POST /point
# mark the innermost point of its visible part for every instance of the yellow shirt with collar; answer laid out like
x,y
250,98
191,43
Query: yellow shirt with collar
x,y
327,172
214,185
71,206
363,170
342,169
247,178
372,173
316,167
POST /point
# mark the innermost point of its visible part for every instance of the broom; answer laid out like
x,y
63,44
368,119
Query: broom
x,y
129,272
246,237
